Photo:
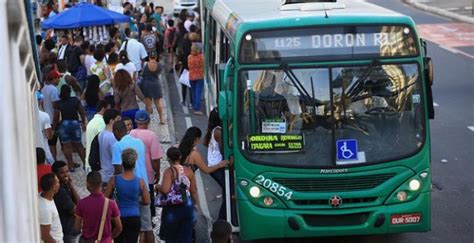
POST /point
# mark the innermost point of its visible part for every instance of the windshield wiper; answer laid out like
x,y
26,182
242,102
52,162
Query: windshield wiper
x,y
296,82
356,87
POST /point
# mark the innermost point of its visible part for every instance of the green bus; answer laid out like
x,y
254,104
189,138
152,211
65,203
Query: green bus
x,y
325,108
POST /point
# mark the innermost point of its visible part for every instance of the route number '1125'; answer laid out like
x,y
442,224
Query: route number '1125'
x,y
274,187
288,42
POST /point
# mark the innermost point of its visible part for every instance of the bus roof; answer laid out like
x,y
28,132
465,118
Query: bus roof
x,y
252,11
258,10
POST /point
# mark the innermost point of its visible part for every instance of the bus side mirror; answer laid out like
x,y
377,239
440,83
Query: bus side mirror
x,y
429,75
429,82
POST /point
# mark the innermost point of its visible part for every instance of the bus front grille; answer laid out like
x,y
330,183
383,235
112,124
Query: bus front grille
x,y
335,220
352,183
326,202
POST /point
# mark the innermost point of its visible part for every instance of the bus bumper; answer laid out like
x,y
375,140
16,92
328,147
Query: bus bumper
x,y
291,223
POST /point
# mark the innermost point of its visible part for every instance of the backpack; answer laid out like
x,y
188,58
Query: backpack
x,y
149,41
94,154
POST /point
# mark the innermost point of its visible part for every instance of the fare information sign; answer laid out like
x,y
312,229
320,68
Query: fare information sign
x,y
275,142
327,42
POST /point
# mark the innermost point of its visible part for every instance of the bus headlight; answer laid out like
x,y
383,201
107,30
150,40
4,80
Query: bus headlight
x,y
414,185
254,191
268,201
402,196
410,189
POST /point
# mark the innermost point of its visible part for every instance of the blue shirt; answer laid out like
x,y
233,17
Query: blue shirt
x,y
129,142
106,143
128,194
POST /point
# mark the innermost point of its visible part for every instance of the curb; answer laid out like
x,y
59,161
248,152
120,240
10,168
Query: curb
x,y
169,114
440,12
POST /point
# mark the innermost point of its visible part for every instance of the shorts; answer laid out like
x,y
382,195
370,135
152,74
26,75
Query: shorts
x,y
70,131
145,218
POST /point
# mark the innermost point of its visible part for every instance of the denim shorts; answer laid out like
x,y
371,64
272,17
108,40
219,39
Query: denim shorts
x,y
70,131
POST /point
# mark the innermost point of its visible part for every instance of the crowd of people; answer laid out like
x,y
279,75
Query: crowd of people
x,y
95,88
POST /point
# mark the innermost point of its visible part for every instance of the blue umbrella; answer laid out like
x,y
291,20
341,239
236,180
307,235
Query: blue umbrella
x,y
84,15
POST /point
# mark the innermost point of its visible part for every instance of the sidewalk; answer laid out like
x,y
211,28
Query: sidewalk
x,y
460,10
167,138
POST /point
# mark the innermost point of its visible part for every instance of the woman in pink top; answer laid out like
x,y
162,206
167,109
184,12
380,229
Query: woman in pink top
x,y
196,76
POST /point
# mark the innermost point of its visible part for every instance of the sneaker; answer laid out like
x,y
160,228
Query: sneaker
x,y
183,103
199,113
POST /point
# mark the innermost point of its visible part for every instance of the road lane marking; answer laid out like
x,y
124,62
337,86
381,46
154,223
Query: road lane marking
x,y
456,51
189,123
471,128
200,185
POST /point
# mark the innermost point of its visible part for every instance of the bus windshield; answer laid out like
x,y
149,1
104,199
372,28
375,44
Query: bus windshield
x,y
330,116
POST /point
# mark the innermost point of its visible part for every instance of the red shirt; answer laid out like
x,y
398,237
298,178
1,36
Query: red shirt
x,y
42,170
196,67
90,210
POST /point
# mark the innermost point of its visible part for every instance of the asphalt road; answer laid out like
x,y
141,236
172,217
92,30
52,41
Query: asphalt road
x,y
452,134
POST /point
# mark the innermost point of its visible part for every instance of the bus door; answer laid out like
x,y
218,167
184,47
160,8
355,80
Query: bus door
x,y
225,106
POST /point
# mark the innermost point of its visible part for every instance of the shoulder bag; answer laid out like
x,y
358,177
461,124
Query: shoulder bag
x,y
101,226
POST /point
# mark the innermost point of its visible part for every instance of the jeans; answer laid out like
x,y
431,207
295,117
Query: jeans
x,y
219,177
177,223
196,89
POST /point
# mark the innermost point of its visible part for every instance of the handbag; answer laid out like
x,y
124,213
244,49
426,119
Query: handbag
x,y
101,226
184,78
177,196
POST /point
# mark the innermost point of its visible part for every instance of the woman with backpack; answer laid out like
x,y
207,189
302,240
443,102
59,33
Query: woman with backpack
x,y
178,197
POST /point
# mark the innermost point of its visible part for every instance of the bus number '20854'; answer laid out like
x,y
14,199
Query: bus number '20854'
x,y
274,187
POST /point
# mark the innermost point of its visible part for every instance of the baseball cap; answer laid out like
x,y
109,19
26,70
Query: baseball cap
x,y
53,74
141,117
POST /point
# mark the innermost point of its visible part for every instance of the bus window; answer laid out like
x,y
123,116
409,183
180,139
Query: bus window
x,y
379,106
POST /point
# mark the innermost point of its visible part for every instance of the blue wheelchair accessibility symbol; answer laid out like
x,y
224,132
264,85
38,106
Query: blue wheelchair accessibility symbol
x,y
346,149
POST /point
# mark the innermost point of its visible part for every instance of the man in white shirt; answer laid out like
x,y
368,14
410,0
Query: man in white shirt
x,y
136,51
50,224
45,130
50,94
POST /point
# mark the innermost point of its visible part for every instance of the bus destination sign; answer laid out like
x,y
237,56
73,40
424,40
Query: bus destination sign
x,y
275,142
329,43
